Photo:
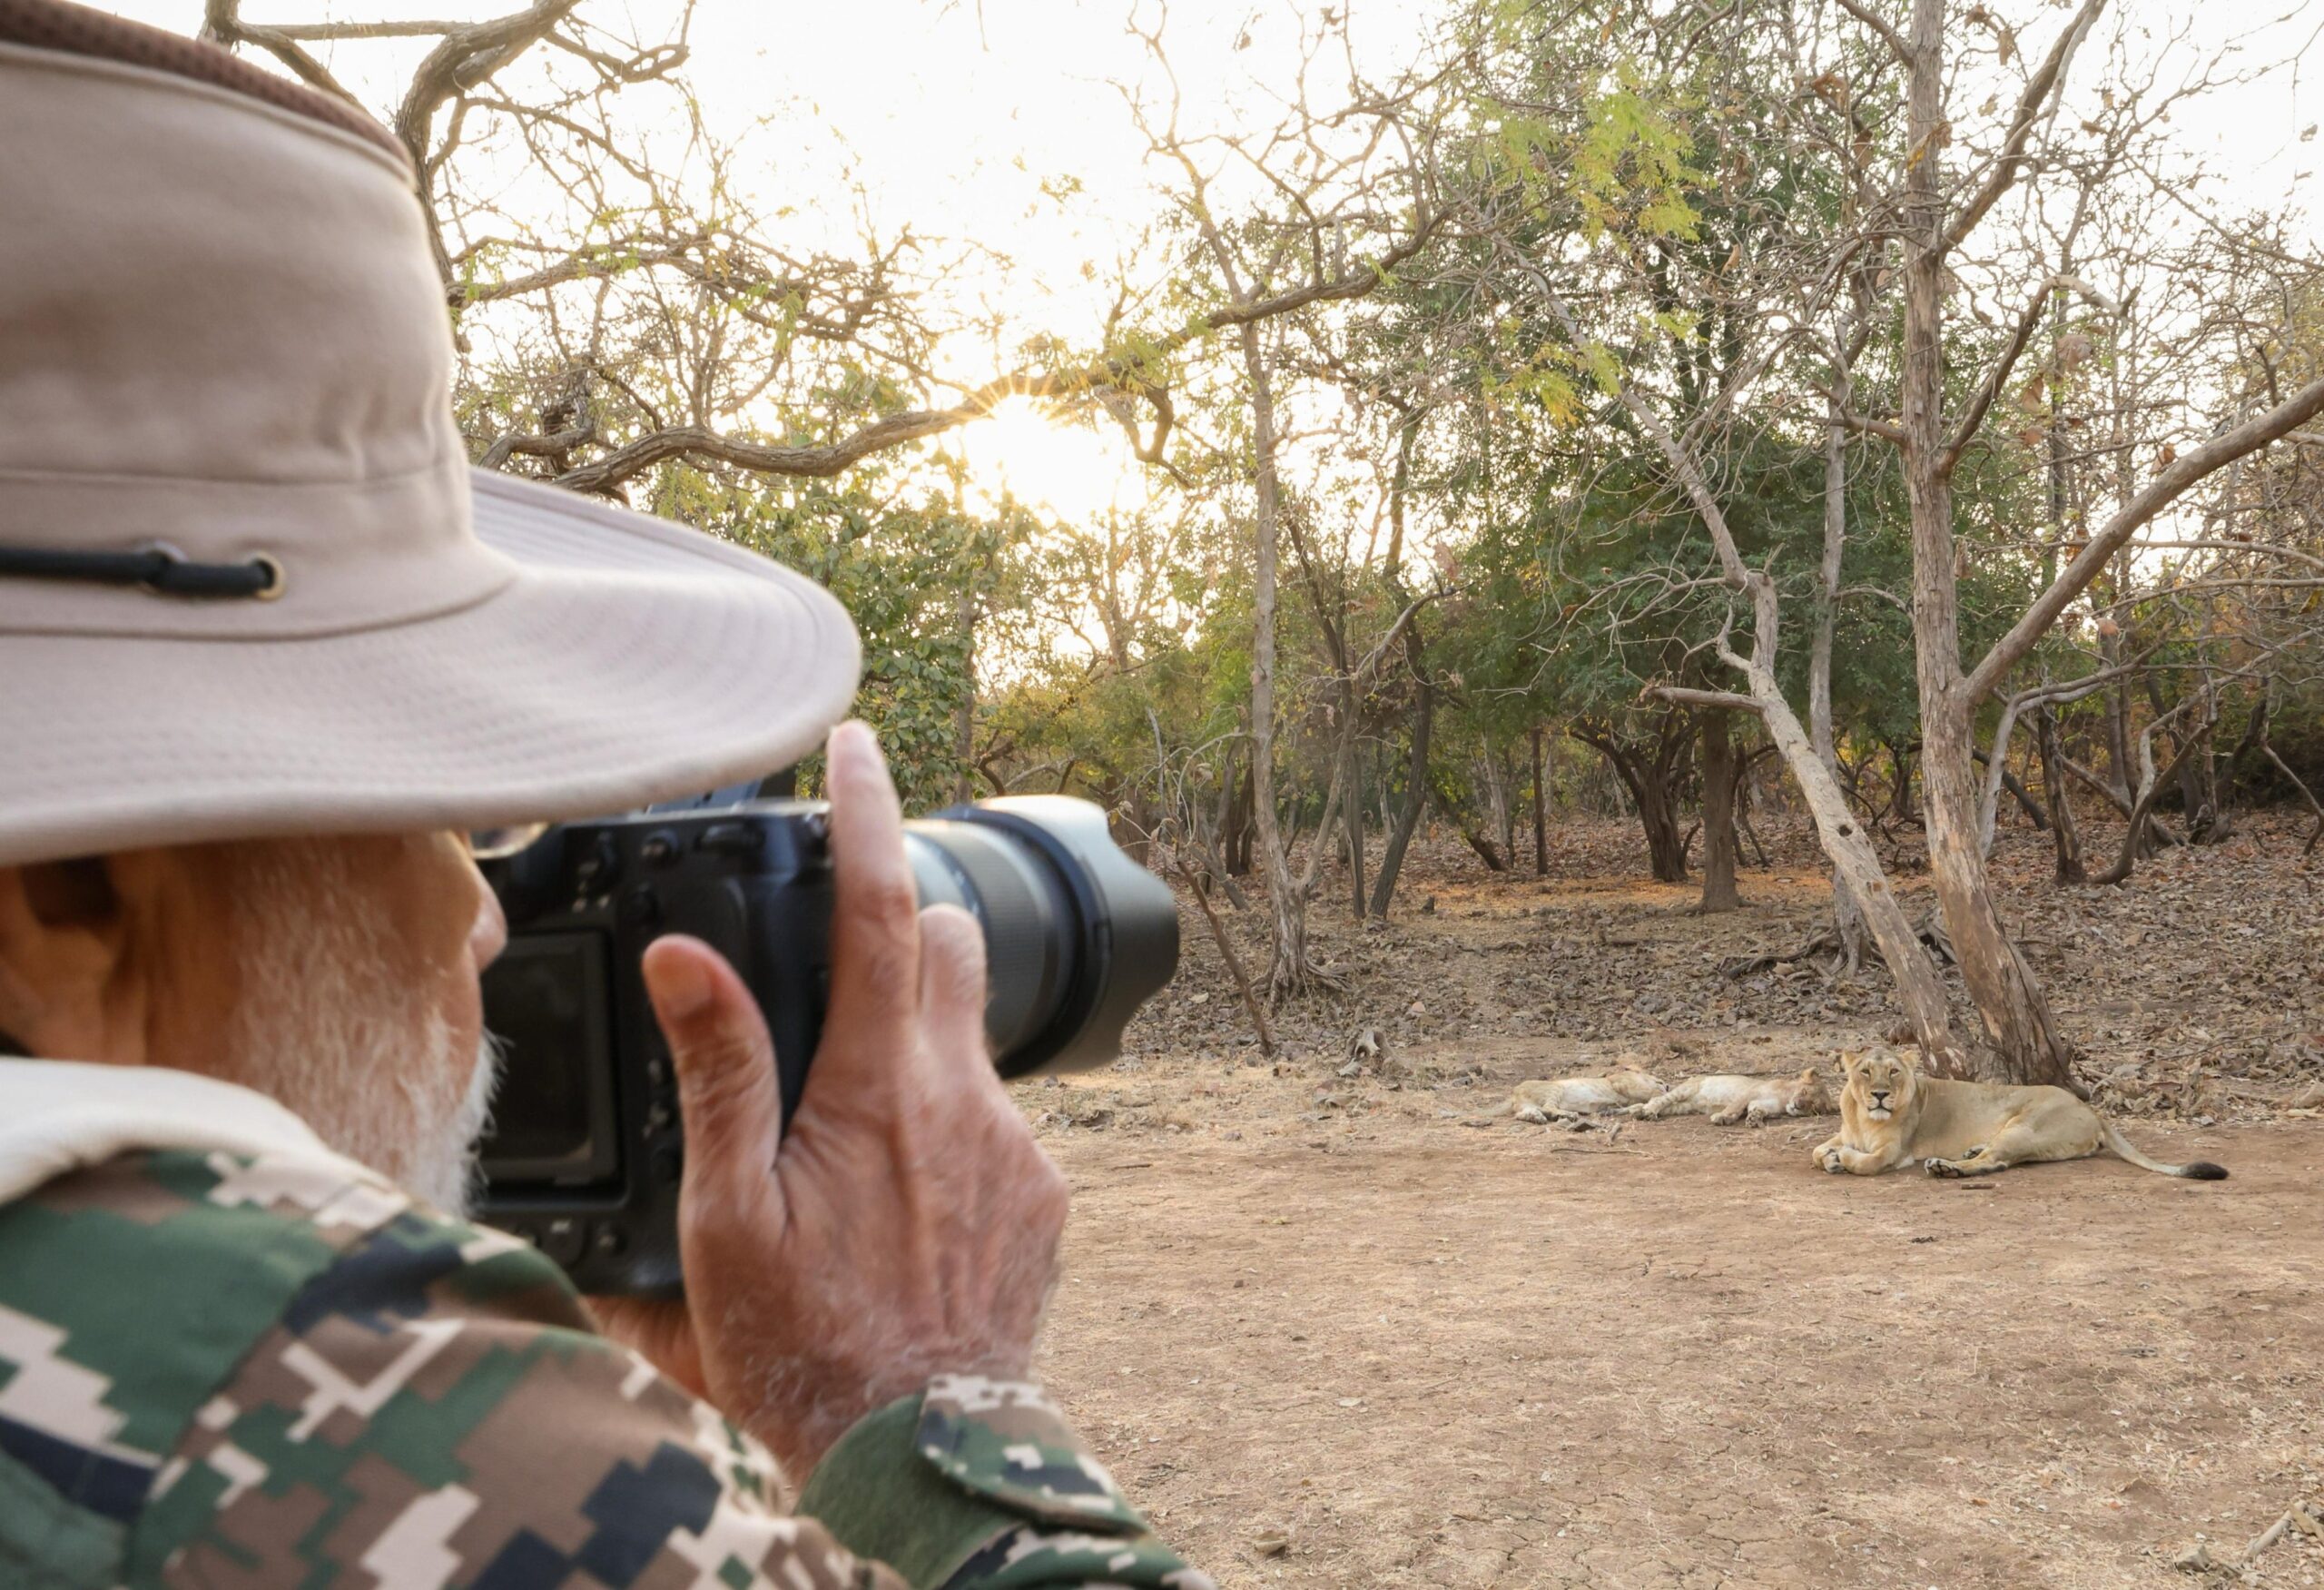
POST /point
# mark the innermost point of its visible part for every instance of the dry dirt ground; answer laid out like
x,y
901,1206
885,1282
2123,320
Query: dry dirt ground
x,y
1338,1323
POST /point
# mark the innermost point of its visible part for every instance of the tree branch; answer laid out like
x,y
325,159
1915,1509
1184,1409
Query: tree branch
x,y
1723,700
1995,379
2039,88
1127,373
1888,34
2160,493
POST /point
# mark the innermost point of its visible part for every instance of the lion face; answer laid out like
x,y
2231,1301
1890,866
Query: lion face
x,y
1632,1085
1809,1094
1881,1082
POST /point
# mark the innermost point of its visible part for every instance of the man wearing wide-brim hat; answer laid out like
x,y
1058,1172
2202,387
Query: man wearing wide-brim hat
x,y
268,647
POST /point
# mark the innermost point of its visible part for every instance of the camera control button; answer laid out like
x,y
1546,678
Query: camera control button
x,y
598,866
735,839
608,1241
564,1238
641,909
659,849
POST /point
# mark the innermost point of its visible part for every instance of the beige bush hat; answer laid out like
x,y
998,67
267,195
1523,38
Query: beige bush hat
x,y
248,582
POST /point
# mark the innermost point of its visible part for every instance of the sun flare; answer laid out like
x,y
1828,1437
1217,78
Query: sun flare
x,y
1072,471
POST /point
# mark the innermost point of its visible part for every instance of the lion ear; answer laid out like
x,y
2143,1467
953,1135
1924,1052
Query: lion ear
x,y
1851,1062
1910,1058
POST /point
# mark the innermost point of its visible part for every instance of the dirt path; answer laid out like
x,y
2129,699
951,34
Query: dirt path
x,y
1433,1353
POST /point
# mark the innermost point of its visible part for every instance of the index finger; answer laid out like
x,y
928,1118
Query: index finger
x,y
875,905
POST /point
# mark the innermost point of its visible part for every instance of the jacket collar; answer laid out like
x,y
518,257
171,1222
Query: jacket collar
x,y
57,1116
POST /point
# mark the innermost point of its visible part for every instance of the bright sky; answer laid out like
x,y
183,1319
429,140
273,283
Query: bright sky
x,y
951,113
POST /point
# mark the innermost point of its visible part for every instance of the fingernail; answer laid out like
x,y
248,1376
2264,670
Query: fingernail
x,y
679,983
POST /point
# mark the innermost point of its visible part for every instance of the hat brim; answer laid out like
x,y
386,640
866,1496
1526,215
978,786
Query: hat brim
x,y
629,660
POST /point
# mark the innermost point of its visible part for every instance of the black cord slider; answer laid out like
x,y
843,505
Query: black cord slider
x,y
163,569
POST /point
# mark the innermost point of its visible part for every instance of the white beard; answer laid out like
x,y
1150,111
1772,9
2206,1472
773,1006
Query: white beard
x,y
326,1028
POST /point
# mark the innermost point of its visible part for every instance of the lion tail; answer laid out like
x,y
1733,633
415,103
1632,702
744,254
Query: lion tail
x,y
2194,1170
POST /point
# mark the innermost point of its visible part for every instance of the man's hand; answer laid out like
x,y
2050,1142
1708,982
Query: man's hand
x,y
908,1225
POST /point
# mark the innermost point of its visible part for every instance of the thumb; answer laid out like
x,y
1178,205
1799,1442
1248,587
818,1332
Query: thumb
x,y
728,1090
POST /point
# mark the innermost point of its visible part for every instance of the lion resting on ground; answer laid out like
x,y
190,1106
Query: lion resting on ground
x,y
1571,1098
1891,1115
1727,1099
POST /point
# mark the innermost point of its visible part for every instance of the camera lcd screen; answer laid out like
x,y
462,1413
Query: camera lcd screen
x,y
546,1000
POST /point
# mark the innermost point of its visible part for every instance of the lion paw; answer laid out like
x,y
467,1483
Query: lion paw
x,y
1830,1160
1945,1168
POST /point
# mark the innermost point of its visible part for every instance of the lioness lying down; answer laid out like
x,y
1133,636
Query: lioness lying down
x,y
1571,1098
1891,1115
1727,1099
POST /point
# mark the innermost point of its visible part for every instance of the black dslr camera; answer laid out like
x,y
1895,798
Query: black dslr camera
x,y
584,1151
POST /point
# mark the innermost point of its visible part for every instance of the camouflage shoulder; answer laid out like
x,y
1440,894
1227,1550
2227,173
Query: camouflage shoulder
x,y
131,1288
1006,1439
434,1406
1035,1557
979,1484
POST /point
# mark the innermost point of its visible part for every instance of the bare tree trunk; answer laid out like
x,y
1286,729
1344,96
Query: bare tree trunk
x,y
1225,942
1400,832
1901,803
1719,770
1500,811
2026,1046
2070,868
1416,775
1353,811
2066,838
1848,911
1540,807
964,716
1850,850
2152,784
1235,832
1286,902
1478,841
1652,783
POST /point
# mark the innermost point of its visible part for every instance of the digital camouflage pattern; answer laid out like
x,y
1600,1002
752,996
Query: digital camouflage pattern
x,y
218,1370
1007,1440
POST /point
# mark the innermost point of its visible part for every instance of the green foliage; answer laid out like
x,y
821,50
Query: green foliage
x,y
904,569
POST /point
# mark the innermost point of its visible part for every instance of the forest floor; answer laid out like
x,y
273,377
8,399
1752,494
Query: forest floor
x,y
1345,1324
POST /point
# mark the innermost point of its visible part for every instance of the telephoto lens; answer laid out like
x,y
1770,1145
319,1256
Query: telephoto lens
x,y
1077,935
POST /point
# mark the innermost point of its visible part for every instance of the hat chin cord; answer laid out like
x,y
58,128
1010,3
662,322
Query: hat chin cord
x,y
161,569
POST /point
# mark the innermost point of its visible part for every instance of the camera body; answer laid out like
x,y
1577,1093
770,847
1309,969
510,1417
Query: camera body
x,y
586,1150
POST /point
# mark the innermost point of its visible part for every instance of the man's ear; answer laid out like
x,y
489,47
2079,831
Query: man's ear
x,y
62,935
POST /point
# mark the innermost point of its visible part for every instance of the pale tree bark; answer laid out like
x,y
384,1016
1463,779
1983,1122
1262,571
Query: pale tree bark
x,y
2025,1042
1290,972
2023,1037
1919,989
1847,912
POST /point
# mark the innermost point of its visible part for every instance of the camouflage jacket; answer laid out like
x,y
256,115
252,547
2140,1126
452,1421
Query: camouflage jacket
x,y
261,1364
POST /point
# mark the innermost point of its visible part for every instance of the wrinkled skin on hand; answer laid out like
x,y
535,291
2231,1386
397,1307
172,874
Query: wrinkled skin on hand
x,y
908,1225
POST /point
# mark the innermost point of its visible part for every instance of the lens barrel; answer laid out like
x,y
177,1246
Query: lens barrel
x,y
1076,934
